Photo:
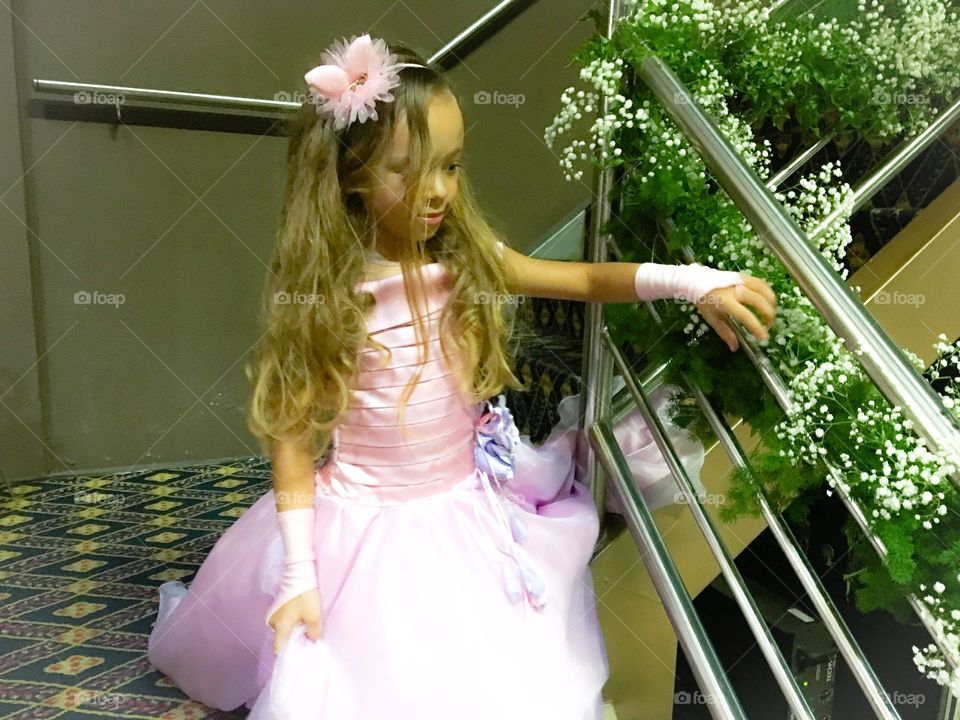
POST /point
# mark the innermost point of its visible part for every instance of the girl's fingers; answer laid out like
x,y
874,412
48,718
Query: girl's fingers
x,y
748,320
758,301
759,285
315,629
733,303
720,326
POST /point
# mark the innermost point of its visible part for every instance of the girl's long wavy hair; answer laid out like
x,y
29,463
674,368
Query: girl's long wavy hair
x,y
313,317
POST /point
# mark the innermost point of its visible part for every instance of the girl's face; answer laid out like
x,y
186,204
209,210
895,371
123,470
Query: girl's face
x,y
394,175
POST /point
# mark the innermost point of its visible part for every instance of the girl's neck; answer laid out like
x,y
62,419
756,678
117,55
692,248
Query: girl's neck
x,y
377,266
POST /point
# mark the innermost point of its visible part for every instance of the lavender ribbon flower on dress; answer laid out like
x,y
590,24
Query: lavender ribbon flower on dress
x,y
497,441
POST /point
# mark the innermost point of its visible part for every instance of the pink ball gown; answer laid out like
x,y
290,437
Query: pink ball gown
x,y
446,593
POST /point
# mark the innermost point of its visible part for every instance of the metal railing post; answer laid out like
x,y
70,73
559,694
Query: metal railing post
x,y
596,372
707,669
775,660
829,615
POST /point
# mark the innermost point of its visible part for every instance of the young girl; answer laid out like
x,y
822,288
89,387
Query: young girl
x,y
435,566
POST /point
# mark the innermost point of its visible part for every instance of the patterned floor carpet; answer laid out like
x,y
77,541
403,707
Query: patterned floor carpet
x,y
80,562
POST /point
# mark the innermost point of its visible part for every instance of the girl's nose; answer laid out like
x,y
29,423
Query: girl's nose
x,y
439,186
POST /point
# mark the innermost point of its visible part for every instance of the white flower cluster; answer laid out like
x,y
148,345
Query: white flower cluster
x,y
948,356
797,327
907,478
668,147
666,13
815,199
709,18
809,414
914,52
605,76
910,478
944,623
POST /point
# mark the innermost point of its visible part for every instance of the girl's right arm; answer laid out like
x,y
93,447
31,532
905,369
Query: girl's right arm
x,y
293,477
298,600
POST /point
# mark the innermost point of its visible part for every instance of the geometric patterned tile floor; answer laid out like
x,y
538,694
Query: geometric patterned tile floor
x,y
81,559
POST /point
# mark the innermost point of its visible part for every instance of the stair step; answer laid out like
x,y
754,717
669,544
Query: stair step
x,y
564,317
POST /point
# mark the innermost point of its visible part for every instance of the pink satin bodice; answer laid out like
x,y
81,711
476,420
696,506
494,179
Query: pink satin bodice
x,y
374,458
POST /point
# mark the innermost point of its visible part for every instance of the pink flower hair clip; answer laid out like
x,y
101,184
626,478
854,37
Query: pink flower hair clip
x,y
353,77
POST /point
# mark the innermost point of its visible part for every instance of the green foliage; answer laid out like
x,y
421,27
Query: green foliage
x,y
818,77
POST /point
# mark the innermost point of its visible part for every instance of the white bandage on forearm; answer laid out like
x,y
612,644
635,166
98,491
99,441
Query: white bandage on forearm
x,y
299,568
654,281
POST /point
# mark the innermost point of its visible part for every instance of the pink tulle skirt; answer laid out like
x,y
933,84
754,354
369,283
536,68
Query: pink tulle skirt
x,y
417,623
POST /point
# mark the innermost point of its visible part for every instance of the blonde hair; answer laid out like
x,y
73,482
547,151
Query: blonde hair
x,y
313,319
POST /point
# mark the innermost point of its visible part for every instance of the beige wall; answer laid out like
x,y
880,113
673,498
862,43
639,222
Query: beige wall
x,y
181,222
21,433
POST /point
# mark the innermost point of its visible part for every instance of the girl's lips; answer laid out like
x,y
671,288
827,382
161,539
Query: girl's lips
x,y
433,219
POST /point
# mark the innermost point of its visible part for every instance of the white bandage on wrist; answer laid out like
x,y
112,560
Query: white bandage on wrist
x,y
654,281
299,567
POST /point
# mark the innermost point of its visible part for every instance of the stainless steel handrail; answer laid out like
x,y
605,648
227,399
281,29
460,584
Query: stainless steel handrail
x,y
254,107
882,360
259,107
472,30
775,384
775,660
651,379
777,387
707,669
831,618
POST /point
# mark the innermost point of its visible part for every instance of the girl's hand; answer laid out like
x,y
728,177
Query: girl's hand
x,y
304,608
731,302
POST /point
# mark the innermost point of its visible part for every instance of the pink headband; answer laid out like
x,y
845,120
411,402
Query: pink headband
x,y
353,78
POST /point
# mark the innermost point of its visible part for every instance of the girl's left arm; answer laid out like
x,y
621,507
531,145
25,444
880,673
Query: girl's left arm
x,y
610,282
614,282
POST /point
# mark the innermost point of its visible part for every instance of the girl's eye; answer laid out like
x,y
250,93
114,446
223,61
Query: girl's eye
x,y
456,165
